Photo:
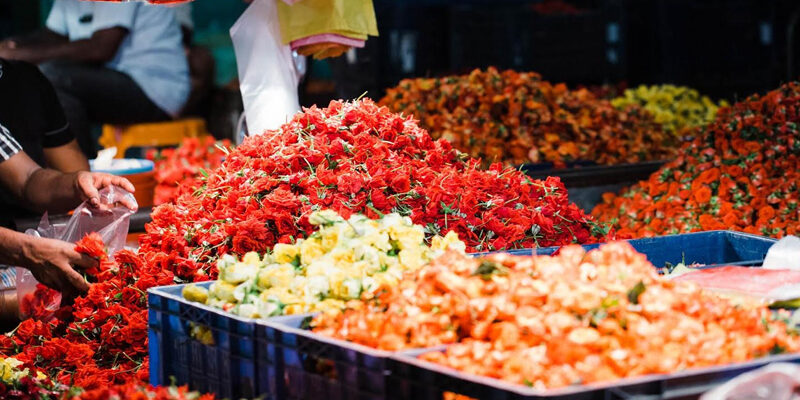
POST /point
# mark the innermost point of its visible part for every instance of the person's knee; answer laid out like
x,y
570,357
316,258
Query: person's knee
x,y
59,73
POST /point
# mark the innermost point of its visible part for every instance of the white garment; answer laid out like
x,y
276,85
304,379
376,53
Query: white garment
x,y
152,52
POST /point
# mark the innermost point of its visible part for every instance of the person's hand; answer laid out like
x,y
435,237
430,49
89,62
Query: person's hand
x,y
8,44
51,262
88,185
9,50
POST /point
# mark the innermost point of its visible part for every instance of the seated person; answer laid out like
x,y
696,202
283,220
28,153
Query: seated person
x,y
51,261
41,137
117,63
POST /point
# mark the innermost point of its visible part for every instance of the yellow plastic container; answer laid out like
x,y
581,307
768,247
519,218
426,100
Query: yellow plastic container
x,y
148,135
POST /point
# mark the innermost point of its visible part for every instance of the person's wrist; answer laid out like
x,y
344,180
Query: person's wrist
x,y
27,250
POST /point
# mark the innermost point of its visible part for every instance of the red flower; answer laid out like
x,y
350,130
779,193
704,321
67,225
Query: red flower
x,y
91,245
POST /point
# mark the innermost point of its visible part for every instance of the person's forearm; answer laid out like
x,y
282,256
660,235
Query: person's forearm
x,y
67,158
38,38
13,247
78,51
60,195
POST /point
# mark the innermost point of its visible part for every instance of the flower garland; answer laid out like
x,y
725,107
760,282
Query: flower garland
x,y
517,118
739,173
677,108
356,158
179,170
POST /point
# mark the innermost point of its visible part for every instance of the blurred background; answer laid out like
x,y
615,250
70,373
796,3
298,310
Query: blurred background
x,y
726,49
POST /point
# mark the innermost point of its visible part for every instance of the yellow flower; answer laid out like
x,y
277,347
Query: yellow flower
x,y
251,258
327,305
324,217
330,238
310,249
450,241
676,108
223,291
284,253
195,293
239,272
411,258
333,265
276,275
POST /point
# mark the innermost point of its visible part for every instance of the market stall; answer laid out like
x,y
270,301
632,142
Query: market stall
x,y
439,243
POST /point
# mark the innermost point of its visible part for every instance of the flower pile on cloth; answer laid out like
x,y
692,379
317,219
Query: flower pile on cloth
x,y
356,158
517,118
554,321
739,173
179,170
336,263
677,108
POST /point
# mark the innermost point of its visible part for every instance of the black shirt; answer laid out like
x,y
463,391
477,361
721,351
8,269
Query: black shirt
x,y
31,114
30,110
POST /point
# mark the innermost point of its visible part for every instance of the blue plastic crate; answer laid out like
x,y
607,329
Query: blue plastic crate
x,y
319,367
712,249
227,368
413,378
275,358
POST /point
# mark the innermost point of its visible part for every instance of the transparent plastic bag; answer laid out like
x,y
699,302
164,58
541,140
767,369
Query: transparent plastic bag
x,y
267,72
111,221
776,381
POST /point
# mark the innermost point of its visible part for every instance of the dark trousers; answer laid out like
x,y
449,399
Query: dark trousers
x,y
95,94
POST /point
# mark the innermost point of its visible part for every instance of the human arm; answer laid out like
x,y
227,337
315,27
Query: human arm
x,y
51,261
67,158
40,37
44,189
100,48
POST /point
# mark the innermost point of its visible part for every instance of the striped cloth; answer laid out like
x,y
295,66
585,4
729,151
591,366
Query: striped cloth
x,y
8,278
8,145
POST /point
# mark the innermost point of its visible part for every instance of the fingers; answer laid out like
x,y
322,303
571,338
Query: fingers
x,y
81,261
123,183
130,203
87,187
90,185
105,180
73,278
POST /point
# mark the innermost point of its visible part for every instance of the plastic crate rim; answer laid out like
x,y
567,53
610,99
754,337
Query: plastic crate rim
x,y
159,291
403,357
703,233
372,352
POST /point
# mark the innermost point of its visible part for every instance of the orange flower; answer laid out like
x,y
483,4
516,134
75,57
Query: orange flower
x,y
702,195
708,176
730,220
709,223
766,213
755,181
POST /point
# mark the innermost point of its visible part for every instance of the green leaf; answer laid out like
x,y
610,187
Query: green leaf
x,y
487,268
635,292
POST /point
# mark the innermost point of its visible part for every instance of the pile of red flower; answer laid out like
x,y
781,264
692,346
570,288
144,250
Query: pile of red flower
x,y
350,157
517,118
741,172
179,170
101,340
356,158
